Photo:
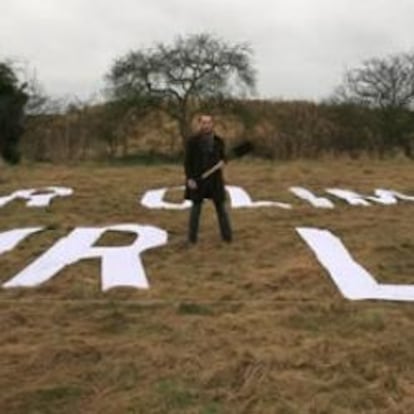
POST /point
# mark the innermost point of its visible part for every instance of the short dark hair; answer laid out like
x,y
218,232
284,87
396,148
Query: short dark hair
x,y
207,114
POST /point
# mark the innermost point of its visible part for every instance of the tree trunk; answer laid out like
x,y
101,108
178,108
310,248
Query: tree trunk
x,y
185,131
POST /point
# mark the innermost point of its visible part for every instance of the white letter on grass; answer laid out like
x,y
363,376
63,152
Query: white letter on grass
x,y
382,196
239,198
304,194
352,280
10,239
121,266
37,197
154,199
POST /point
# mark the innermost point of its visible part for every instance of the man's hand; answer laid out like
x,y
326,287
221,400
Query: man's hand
x,y
192,185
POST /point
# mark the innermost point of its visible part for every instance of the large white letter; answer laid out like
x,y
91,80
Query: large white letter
x,y
10,239
154,199
304,194
121,266
382,196
37,197
241,199
352,280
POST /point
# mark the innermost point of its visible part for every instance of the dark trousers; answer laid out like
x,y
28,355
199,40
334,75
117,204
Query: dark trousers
x,y
222,216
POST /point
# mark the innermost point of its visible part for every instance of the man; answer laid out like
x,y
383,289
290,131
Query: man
x,y
205,150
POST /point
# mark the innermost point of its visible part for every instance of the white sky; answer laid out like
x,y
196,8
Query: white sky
x,y
302,47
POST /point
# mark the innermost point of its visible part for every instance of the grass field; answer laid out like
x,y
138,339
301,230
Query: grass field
x,y
253,327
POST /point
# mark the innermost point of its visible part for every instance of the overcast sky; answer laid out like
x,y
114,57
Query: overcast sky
x,y
302,47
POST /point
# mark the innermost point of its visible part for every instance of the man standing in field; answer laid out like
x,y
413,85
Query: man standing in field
x,y
204,160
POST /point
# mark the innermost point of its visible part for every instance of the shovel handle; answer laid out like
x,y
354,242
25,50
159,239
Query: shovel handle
x,y
213,169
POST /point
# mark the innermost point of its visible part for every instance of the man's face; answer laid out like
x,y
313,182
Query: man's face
x,y
206,124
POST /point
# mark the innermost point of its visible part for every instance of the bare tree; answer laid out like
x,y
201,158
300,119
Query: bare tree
x,y
387,85
183,77
381,83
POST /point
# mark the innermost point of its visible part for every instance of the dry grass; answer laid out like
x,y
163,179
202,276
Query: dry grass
x,y
255,327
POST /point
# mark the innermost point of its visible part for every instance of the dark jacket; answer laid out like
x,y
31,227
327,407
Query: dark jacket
x,y
197,162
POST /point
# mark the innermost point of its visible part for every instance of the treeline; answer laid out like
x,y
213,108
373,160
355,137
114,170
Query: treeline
x,y
154,95
279,130
288,130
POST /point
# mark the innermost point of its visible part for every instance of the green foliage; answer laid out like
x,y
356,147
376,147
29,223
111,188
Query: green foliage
x,y
12,102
